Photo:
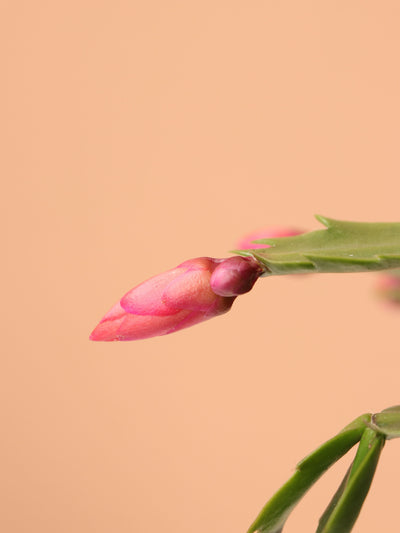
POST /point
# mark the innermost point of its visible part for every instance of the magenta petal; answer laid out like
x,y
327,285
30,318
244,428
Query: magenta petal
x,y
106,331
115,312
192,318
147,298
191,291
133,327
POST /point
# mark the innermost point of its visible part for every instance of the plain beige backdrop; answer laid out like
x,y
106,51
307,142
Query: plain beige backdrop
x,y
136,134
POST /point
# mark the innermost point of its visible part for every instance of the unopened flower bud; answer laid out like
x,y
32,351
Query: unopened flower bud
x,y
235,275
171,301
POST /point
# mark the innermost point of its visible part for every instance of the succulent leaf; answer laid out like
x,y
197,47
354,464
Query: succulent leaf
x,y
341,247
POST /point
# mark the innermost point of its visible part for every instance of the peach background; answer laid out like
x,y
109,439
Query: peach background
x,y
141,133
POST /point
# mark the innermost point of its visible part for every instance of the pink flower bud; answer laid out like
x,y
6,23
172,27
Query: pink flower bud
x,y
171,301
388,287
269,233
235,275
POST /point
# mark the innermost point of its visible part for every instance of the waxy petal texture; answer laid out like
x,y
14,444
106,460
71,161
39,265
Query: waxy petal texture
x,y
147,298
178,298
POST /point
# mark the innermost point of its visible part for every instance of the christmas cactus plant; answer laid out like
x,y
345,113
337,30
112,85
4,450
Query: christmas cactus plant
x,y
203,288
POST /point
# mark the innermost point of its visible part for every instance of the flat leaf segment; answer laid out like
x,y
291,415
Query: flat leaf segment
x,y
371,431
341,247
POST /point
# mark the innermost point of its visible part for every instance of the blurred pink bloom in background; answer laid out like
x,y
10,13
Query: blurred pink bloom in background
x,y
388,287
178,298
246,243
